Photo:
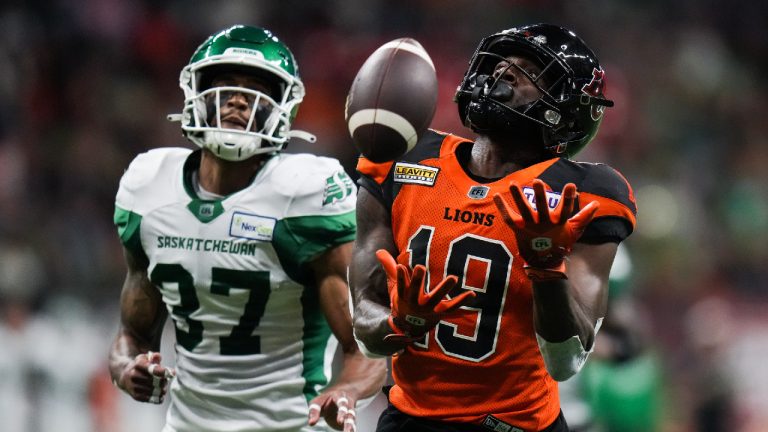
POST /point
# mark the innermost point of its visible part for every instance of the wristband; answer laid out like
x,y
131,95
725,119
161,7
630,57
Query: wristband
x,y
395,328
545,274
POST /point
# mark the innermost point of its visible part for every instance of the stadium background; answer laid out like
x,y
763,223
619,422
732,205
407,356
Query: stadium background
x,y
86,85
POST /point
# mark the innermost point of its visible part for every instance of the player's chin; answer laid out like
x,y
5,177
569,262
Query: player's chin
x,y
231,125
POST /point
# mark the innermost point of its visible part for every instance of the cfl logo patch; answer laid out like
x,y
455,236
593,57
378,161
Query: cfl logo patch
x,y
206,210
478,192
540,244
415,320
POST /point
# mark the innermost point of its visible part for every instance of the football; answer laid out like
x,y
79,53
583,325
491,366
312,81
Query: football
x,y
392,100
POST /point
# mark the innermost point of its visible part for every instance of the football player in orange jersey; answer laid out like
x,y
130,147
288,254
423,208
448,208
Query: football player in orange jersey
x,y
482,267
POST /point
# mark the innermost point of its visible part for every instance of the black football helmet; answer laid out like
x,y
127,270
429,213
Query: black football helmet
x,y
567,115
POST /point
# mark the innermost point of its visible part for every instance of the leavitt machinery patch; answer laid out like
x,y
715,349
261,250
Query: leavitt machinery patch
x,y
417,174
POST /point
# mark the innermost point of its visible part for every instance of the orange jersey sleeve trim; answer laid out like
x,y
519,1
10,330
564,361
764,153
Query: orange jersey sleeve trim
x,y
450,143
377,171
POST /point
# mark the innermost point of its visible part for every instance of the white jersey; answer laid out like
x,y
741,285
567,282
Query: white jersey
x,y
251,340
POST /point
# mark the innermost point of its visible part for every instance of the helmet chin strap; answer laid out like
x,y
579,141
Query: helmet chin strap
x,y
232,146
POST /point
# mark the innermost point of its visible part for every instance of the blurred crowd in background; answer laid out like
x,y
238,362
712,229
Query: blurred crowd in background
x,y
86,85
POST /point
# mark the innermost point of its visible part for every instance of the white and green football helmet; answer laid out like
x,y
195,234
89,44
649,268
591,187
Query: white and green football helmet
x,y
250,50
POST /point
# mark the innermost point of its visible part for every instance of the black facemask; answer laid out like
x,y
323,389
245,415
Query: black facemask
x,y
488,115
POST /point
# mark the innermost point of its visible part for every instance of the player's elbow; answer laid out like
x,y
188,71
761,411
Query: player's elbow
x,y
370,351
366,345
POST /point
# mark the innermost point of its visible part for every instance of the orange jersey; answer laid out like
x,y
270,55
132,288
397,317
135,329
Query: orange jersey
x,y
486,360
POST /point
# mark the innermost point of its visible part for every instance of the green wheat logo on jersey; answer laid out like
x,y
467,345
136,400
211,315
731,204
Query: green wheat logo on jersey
x,y
337,188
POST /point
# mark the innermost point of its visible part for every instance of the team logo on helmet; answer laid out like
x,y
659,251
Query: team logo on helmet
x,y
595,89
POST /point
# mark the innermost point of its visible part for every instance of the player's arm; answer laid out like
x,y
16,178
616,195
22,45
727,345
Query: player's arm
x,y
367,278
567,311
134,361
570,280
360,377
392,307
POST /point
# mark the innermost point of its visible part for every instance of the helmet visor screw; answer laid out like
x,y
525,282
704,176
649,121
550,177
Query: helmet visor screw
x,y
552,116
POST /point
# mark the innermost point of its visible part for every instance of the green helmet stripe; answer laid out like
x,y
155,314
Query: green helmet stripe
x,y
243,40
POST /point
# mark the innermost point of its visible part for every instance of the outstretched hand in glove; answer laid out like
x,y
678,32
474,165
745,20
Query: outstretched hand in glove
x,y
545,237
414,311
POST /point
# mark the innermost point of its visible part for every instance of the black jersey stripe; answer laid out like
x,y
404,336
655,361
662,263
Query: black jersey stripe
x,y
371,186
594,178
428,147
606,229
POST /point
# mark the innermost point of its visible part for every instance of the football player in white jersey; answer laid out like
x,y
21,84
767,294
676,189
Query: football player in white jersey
x,y
246,249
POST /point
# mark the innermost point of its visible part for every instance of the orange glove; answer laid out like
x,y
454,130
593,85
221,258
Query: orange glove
x,y
545,238
414,311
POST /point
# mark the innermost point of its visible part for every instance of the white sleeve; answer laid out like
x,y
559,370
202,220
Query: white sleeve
x,y
564,359
318,185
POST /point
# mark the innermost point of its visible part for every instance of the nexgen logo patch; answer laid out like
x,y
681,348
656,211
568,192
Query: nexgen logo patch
x,y
413,173
252,227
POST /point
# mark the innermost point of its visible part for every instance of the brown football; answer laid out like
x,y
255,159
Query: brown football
x,y
392,100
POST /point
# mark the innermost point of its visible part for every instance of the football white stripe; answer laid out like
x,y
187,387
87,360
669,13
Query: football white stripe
x,y
386,118
405,46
